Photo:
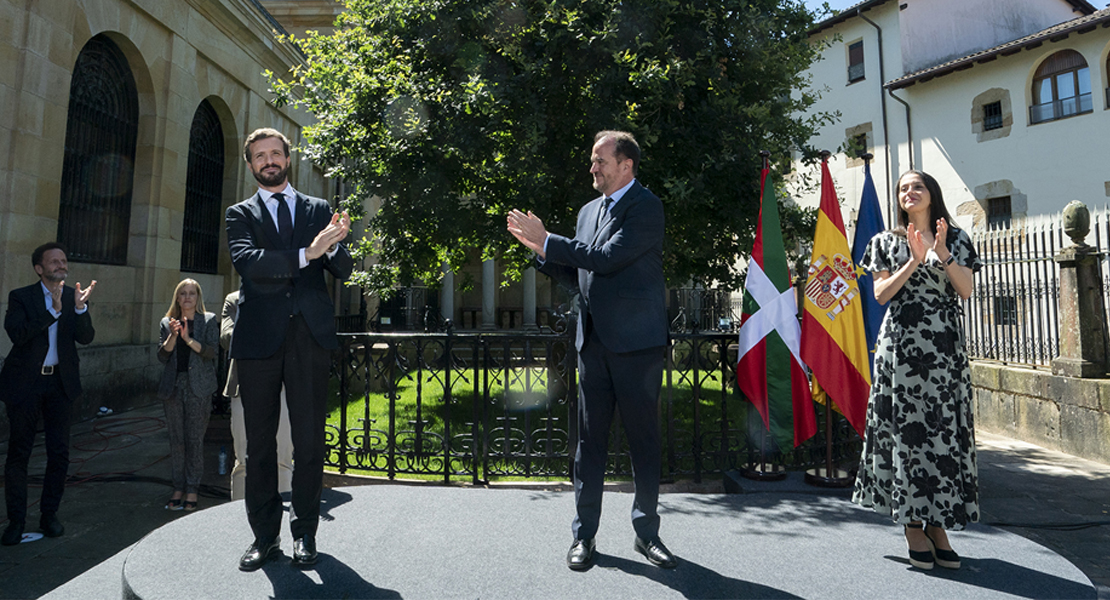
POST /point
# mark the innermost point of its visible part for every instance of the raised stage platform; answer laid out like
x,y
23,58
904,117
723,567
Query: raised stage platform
x,y
776,540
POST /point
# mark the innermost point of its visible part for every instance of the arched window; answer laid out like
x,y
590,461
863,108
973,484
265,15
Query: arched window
x,y
200,240
98,168
1061,87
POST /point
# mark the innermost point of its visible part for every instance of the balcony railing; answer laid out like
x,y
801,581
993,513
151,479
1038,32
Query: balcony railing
x,y
1059,109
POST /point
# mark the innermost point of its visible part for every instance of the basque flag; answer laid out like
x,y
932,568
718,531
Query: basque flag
x,y
770,370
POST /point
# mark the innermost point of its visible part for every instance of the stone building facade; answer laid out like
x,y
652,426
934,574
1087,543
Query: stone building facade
x,y
121,132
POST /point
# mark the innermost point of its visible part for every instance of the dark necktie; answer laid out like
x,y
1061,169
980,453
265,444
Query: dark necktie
x,y
604,212
285,220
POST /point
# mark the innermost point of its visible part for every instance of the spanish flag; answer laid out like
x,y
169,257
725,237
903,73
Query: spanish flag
x,y
834,343
770,370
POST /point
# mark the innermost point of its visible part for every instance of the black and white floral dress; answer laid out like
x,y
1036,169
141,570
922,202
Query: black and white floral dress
x,y
918,460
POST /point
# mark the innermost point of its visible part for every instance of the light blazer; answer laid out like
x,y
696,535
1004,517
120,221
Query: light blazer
x,y
227,327
616,267
202,365
28,323
272,280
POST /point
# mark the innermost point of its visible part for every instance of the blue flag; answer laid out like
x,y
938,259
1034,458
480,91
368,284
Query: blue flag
x,y
869,222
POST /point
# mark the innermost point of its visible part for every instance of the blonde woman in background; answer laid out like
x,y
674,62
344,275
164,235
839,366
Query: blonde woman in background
x,y
187,347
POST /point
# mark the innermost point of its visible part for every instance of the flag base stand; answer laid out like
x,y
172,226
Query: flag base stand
x,y
764,472
829,478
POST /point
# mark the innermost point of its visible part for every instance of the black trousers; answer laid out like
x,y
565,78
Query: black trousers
x,y
302,365
47,397
630,383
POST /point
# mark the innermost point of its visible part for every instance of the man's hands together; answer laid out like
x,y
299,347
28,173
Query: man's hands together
x,y
326,240
529,230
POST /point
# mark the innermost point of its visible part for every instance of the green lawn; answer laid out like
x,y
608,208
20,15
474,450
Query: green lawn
x,y
524,408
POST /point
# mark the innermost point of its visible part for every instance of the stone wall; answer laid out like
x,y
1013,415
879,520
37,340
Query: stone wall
x,y
1062,413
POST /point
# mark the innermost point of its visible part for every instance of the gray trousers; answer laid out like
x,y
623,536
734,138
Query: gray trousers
x,y
186,421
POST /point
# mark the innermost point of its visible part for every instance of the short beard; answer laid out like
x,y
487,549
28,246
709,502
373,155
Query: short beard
x,y
55,276
270,180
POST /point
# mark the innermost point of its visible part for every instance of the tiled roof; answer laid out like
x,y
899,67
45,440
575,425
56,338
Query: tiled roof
x,y
846,14
1082,6
1055,33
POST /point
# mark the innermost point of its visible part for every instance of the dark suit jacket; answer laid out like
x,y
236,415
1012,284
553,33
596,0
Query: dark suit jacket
x,y
202,365
28,323
272,280
616,266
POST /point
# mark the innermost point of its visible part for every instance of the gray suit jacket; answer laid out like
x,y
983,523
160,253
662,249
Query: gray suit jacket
x,y
616,266
202,365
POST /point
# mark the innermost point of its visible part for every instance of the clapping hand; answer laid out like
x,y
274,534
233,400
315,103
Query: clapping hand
x,y
916,243
528,229
326,240
940,242
81,296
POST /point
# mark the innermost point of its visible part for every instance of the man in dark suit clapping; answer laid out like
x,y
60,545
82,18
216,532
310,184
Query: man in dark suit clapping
x,y
615,263
45,321
281,243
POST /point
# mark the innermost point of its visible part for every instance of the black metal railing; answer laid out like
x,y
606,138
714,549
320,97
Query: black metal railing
x,y
1013,315
480,406
1059,109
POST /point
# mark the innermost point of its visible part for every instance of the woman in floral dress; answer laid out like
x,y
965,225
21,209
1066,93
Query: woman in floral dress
x,y
918,464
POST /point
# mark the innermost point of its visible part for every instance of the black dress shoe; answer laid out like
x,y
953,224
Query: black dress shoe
x,y
656,553
581,555
50,526
259,554
13,534
304,552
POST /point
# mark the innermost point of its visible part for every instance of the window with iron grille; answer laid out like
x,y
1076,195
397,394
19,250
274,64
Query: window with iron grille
x,y
992,116
998,212
98,167
200,238
855,62
1005,310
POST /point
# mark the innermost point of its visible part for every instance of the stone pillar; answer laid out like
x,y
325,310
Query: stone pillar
x,y
447,294
530,299
1083,331
489,295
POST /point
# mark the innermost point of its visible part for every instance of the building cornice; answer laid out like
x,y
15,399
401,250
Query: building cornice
x,y
1056,33
1081,6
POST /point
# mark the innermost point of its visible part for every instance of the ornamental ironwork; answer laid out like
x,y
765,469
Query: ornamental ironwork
x,y
98,169
200,237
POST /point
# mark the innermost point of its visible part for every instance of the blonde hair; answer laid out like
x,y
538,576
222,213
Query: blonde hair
x,y
175,310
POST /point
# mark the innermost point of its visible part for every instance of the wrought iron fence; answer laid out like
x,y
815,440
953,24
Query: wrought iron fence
x,y
1013,314
482,406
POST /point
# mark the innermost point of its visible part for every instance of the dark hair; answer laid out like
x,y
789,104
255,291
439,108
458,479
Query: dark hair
x,y
937,209
626,146
36,256
261,134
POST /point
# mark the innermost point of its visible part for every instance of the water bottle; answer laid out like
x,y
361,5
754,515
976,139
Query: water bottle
x,y
223,460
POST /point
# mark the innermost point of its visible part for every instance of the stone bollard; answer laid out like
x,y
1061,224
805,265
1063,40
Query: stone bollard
x,y
1083,331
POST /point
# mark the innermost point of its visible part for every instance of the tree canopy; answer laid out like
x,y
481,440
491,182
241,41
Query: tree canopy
x,y
452,112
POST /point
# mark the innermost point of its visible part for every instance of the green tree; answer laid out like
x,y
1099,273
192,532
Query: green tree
x,y
452,112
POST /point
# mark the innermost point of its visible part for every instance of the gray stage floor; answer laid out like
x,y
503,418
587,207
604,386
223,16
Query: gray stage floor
x,y
398,541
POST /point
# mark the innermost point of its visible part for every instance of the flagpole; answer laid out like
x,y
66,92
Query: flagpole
x,y
763,471
834,477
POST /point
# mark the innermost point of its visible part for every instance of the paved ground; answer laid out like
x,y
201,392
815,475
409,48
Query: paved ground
x,y
1053,499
